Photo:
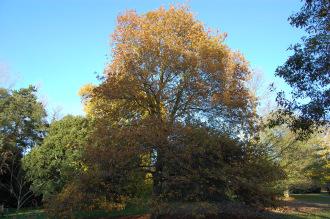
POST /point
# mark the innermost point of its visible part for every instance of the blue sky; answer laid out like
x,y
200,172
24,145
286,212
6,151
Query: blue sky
x,y
58,45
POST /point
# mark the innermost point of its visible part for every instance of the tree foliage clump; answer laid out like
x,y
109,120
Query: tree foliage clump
x,y
307,71
204,166
112,179
52,164
167,67
22,119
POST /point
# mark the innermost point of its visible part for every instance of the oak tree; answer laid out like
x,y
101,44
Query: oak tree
x,y
174,108
166,70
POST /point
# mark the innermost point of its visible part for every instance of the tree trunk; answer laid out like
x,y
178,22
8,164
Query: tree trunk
x,y
286,192
157,176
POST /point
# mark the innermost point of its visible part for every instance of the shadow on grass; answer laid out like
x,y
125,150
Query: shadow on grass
x,y
25,213
41,214
309,206
130,214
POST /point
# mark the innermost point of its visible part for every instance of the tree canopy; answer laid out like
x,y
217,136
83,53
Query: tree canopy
x,y
168,67
307,70
22,119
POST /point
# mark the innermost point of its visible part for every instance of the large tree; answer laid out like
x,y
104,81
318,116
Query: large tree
x,y
167,70
307,70
169,81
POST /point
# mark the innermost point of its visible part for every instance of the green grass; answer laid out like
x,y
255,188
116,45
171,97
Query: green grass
x,y
40,214
25,213
314,215
323,199
129,211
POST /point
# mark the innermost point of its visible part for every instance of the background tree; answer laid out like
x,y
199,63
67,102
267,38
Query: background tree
x,y
307,71
320,168
22,126
22,119
16,183
302,161
52,164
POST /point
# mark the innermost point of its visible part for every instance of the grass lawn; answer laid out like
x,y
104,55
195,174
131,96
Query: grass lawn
x,y
322,198
315,215
303,206
25,213
309,206
40,214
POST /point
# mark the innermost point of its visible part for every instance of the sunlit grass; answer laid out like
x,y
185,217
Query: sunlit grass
x,y
303,215
25,213
322,198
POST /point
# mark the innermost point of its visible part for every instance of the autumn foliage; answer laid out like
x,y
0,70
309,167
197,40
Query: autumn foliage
x,y
167,67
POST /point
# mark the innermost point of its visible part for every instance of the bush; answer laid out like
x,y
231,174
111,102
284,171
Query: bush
x,y
208,168
83,194
107,184
305,189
